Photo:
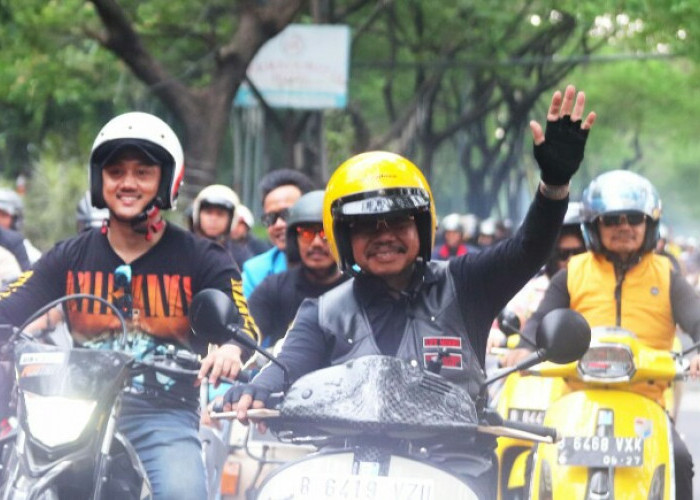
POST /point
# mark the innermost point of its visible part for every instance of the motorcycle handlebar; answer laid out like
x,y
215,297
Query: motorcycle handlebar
x,y
540,430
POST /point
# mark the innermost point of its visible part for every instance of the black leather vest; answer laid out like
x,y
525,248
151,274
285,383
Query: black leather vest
x,y
434,326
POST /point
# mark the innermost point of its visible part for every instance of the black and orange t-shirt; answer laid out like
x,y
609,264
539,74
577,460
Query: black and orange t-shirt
x,y
164,280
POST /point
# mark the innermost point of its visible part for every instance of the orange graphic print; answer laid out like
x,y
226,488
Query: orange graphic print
x,y
160,304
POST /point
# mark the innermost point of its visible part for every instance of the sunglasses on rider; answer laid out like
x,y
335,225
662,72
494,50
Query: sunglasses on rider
x,y
123,299
631,218
308,233
567,253
370,226
270,218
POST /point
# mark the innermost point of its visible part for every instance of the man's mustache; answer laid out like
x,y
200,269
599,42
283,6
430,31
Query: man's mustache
x,y
319,252
386,247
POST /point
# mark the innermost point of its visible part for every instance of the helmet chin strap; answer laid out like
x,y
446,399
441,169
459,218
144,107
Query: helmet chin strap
x,y
148,222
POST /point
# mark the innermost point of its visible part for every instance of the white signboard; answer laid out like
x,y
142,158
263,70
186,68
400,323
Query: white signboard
x,y
303,67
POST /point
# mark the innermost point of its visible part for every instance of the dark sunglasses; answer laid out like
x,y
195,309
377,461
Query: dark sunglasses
x,y
632,218
370,226
567,253
308,233
270,218
122,285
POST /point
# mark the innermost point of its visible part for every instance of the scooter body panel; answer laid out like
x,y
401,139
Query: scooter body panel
x,y
524,399
605,413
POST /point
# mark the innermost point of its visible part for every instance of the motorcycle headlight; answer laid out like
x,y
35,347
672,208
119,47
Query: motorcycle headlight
x,y
607,363
55,420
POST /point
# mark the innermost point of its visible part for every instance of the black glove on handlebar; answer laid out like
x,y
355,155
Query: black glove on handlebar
x,y
258,393
561,153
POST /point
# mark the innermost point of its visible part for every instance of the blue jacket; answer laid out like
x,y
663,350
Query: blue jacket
x,y
257,268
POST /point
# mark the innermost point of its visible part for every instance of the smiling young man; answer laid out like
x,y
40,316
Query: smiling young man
x,y
136,168
379,218
280,189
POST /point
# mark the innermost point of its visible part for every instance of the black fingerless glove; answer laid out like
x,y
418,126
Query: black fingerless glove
x,y
561,153
258,393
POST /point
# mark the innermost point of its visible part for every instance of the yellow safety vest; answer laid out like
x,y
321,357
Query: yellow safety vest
x,y
644,300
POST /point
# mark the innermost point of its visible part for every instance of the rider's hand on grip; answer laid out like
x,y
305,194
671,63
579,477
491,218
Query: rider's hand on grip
x,y
256,393
539,430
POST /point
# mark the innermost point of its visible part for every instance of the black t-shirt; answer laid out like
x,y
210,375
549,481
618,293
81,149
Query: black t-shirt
x,y
274,302
164,281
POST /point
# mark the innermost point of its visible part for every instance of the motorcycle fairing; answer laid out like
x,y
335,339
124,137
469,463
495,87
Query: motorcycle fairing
x,y
377,395
575,415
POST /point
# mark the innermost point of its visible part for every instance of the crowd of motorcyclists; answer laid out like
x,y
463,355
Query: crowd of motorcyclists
x,y
381,275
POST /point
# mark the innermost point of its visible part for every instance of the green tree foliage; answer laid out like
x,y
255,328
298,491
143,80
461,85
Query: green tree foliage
x,y
191,56
647,123
451,84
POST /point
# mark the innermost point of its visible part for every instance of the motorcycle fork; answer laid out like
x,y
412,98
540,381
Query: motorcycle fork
x,y
103,461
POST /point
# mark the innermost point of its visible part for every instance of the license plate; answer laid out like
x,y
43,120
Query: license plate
x,y
601,451
363,487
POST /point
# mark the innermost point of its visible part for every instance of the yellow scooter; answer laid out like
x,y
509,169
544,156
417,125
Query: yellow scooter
x,y
524,399
615,443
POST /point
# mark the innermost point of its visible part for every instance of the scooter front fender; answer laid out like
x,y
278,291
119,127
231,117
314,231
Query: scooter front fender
x,y
577,415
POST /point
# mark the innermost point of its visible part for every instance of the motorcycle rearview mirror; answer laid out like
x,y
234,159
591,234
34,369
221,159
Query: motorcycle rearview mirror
x,y
213,314
562,336
509,322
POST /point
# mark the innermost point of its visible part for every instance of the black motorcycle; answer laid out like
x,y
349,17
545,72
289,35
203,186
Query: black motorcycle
x,y
66,445
385,428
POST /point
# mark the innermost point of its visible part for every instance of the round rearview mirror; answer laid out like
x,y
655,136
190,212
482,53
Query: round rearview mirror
x,y
508,322
211,312
564,336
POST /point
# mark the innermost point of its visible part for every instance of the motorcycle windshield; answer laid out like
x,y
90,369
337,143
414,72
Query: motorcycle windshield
x,y
48,363
72,373
379,395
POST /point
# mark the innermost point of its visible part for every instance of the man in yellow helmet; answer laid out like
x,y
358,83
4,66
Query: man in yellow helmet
x,y
379,218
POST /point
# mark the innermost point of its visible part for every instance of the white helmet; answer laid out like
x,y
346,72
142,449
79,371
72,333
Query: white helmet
x,y
452,222
153,137
11,203
243,213
216,195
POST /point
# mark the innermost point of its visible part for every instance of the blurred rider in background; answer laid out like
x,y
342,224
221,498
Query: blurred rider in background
x,y
87,216
275,301
280,189
11,226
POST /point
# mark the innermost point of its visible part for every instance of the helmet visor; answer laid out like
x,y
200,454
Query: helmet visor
x,y
387,201
107,151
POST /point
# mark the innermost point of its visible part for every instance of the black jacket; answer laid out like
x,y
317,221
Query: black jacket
x,y
14,242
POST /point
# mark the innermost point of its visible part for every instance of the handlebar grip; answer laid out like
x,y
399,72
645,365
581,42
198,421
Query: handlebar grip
x,y
540,430
245,376
218,405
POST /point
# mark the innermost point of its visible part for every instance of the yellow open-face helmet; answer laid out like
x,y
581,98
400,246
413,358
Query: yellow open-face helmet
x,y
374,185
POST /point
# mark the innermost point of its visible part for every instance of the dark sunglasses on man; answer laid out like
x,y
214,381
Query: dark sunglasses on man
x,y
567,253
270,218
123,299
631,218
395,223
